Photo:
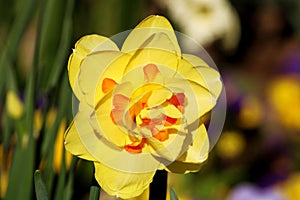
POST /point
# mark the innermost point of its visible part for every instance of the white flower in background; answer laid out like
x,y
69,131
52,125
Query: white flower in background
x,y
206,20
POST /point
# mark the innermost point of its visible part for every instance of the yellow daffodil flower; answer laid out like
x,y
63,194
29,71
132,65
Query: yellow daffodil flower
x,y
140,107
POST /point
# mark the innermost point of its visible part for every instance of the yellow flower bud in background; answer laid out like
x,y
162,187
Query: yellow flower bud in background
x,y
284,97
14,105
231,144
59,149
251,114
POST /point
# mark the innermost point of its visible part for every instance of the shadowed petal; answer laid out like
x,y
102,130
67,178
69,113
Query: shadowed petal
x,y
196,70
83,47
128,185
193,158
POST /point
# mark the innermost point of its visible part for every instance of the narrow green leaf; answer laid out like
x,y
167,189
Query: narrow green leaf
x,y
62,52
50,37
59,193
69,188
173,195
21,176
94,192
9,53
40,188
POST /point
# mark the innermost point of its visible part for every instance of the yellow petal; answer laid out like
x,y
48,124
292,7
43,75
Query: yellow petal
x,y
96,68
145,29
101,120
122,184
73,141
170,110
197,70
159,96
101,149
198,151
14,105
171,149
83,47
193,158
166,62
199,100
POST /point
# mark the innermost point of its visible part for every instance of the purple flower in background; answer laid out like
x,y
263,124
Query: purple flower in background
x,y
251,192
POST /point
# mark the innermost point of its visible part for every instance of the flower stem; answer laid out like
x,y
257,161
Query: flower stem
x,y
158,188
94,190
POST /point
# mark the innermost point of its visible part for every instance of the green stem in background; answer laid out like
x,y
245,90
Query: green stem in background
x,y
65,40
173,195
94,192
40,188
9,53
94,189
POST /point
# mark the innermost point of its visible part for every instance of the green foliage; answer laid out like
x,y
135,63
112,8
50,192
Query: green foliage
x,y
173,195
94,193
40,188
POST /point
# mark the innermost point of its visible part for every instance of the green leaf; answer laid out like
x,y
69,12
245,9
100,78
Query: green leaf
x,y
21,176
173,195
63,48
49,50
40,188
9,53
59,193
69,188
94,192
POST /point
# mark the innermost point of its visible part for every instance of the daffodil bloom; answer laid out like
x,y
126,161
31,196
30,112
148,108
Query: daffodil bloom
x,y
140,106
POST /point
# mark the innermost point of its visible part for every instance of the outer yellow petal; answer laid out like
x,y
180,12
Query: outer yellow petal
x,y
83,47
122,184
95,68
73,142
74,145
193,159
80,133
167,63
196,70
149,26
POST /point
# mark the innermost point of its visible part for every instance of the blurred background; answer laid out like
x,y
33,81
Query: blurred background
x,y
255,45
